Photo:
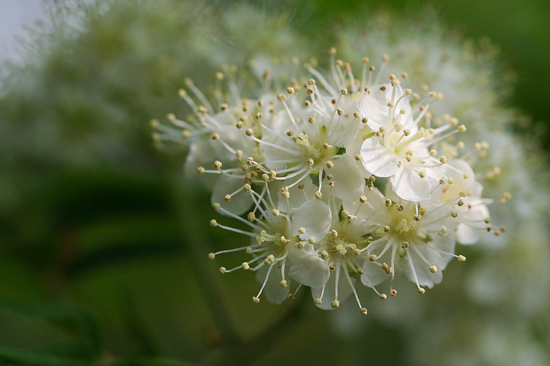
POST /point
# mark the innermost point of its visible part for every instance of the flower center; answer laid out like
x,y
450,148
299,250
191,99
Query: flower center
x,y
315,153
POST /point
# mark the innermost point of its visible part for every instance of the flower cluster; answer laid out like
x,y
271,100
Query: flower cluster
x,y
340,179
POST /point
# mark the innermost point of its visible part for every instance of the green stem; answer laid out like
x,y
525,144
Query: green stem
x,y
258,346
199,248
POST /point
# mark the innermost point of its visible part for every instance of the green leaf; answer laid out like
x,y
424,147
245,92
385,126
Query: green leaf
x,y
155,361
71,320
14,356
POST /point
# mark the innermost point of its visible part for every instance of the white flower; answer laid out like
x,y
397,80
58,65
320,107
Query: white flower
x,y
410,238
282,247
463,193
307,162
399,149
302,141
342,250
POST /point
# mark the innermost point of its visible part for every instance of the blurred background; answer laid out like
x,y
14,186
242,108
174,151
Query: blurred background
x,y
104,241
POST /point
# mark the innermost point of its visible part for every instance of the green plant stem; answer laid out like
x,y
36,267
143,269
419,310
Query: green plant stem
x,y
199,248
258,346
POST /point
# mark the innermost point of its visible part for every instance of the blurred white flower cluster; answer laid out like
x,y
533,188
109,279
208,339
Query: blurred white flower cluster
x,y
336,178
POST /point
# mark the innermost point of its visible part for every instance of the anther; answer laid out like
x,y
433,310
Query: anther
x,y
461,258
255,299
393,292
211,255
421,291
335,304
433,269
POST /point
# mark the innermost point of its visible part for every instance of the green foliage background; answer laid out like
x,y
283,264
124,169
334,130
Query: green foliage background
x,y
103,243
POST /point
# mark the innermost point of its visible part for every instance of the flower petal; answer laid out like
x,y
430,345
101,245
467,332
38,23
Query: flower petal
x,y
434,258
314,216
378,159
408,185
306,267
344,290
348,179
274,292
375,112
240,203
